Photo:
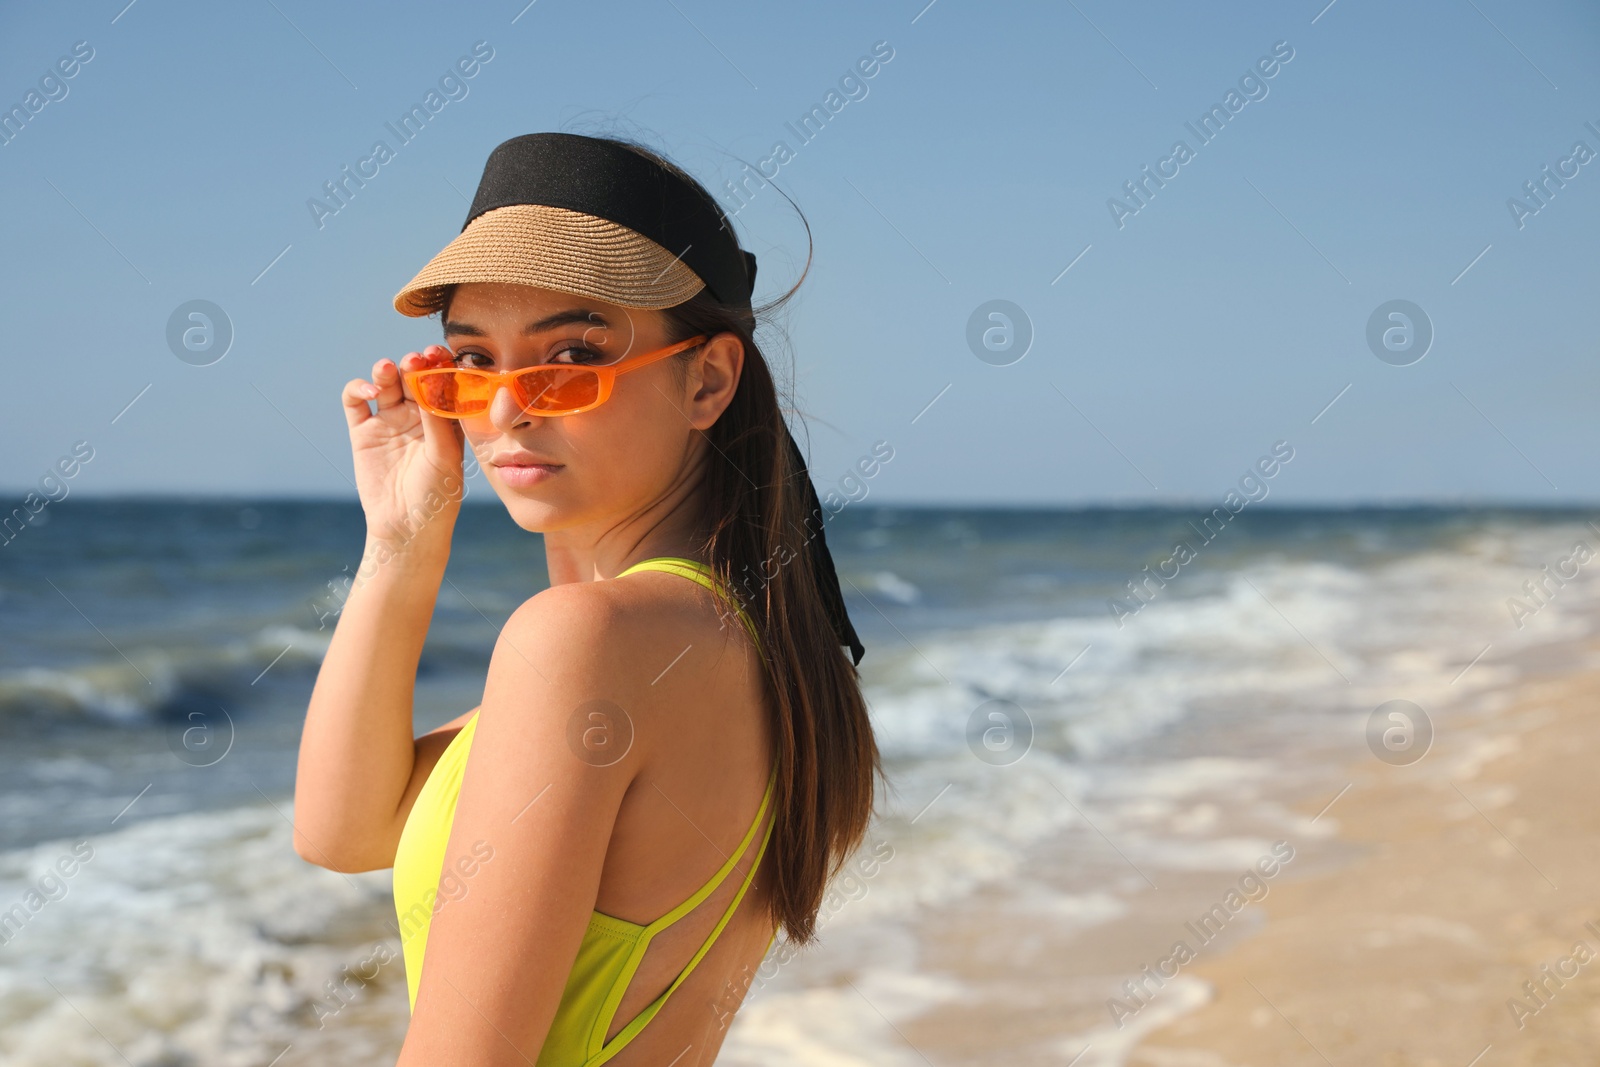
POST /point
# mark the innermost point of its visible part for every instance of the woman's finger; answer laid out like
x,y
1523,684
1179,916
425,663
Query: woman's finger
x,y
441,440
430,357
357,391
386,376
441,437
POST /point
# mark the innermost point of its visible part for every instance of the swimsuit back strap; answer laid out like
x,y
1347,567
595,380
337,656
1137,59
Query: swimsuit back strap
x,y
638,1022
716,879
701,574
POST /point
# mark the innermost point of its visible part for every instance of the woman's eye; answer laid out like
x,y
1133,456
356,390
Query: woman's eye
x,y
576,353
468,359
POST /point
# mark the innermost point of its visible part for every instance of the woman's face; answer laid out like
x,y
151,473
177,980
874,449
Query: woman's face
x,y
601,467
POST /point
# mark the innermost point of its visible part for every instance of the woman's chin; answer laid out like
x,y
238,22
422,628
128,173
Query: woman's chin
x,y
533,515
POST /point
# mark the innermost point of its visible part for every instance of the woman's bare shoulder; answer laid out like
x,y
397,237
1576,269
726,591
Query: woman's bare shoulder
x,y
648,651
595,643
630,611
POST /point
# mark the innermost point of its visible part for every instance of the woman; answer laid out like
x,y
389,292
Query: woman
x,y
593,861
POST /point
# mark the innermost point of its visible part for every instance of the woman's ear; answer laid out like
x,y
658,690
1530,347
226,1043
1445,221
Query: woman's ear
x,y
714,378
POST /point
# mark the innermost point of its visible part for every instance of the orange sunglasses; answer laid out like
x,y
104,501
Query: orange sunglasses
x,y
546,389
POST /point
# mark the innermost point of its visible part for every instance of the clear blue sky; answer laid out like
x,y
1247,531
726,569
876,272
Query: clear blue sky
x,y
1224,315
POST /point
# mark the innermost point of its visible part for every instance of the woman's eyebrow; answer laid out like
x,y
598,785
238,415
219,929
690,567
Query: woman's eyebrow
x,y
549,322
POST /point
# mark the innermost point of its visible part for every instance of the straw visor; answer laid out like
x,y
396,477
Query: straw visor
x,y
554,248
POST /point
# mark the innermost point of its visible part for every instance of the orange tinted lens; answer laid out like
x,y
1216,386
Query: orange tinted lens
x,y
455,392
543,389
550,388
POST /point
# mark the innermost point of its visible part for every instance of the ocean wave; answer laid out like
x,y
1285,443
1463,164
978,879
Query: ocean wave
x,y
138,685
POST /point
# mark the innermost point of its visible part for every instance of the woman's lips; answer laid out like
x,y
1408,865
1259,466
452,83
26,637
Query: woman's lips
x,y
526,475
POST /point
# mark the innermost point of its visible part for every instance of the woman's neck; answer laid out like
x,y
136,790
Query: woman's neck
x,y
576,555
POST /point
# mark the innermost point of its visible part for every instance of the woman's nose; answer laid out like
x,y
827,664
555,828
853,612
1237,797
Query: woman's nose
x,y
506,412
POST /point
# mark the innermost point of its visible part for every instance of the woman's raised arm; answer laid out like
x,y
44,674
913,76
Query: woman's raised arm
x,y
360,765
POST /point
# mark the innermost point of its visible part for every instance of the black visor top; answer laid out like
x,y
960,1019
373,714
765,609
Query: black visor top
x,y
602,178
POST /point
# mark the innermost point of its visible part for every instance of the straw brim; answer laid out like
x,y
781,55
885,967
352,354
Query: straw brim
x,y
554,248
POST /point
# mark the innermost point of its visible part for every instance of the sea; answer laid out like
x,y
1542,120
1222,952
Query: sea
x,y
1081,736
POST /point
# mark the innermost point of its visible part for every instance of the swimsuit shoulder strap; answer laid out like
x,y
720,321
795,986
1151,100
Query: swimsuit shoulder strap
x,y
700,573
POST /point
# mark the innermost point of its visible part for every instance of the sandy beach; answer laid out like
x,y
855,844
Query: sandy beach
x,y
1478,874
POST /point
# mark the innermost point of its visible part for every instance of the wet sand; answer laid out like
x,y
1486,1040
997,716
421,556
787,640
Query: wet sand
x,y
1479,871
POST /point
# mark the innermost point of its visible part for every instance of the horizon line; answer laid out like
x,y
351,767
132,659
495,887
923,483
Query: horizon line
x,y
1485,503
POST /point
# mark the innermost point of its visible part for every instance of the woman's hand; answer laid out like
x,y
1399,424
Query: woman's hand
x,y
403,455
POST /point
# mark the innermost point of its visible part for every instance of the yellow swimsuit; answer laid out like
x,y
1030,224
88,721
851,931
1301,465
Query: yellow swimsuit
x,y
611,948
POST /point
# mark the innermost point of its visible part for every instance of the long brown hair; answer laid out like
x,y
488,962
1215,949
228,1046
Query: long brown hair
x,y
755,499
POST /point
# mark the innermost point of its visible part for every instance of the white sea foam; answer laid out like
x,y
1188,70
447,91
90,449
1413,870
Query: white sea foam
x,y
847,1025
200,938
1108,1046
